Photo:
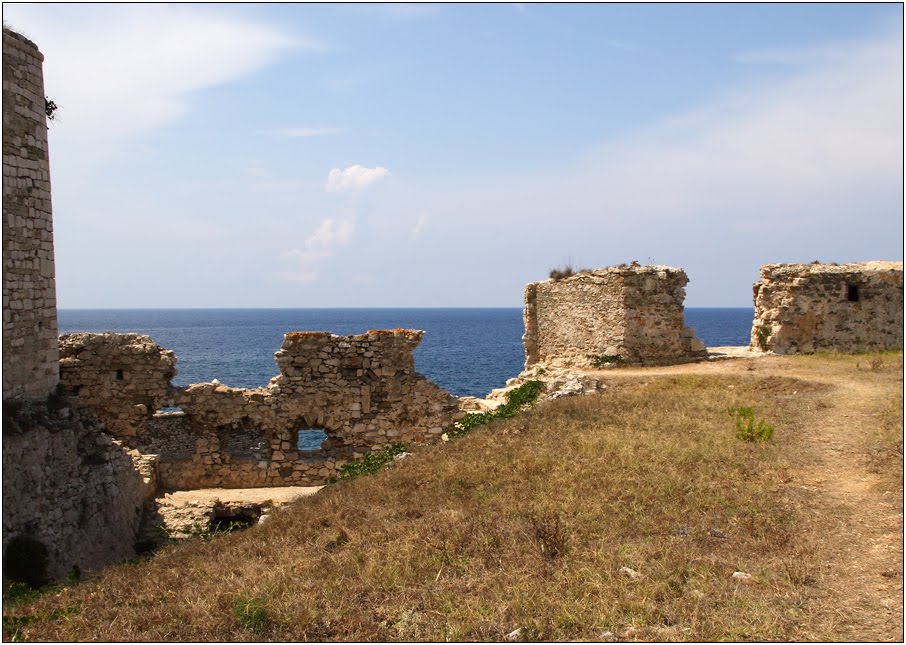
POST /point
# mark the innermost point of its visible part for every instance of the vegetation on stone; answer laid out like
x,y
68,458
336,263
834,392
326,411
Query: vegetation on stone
x,y
370,463
516,399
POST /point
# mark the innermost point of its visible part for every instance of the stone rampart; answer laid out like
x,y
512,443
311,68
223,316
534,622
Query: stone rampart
x,y
29,291
362,391
631,314
804,308
72,487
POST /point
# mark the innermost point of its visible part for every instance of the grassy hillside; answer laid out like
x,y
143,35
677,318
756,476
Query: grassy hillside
x,y
533,523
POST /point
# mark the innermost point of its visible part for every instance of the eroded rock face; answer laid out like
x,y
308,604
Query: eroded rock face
x,y
804,308
629,314
362,391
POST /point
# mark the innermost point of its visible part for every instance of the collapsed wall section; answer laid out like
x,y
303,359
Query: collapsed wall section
x,y
29,290
804,308
362,392
631,314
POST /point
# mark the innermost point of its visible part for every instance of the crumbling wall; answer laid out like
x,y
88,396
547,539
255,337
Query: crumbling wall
x,y
804,308
631,314
29,291
126,377
362,390
73,488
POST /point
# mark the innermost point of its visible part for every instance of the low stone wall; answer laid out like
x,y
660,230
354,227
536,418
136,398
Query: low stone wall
x,y
362,391
633,314
828,307
72,487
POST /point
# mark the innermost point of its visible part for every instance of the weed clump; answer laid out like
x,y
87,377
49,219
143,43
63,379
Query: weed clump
x,y
370,464
603,360
251,614
525,394
567,271
549,534
746,427
761,337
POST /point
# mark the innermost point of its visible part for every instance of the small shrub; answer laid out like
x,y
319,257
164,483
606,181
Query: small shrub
x,y
560,274
370,463
251,614
25,561
746,427
49,108
762,333
603,360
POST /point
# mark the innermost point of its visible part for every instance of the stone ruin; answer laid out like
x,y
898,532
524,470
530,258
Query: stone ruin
x,y
66,484
81,472
628,314
361,391
29,286
804,308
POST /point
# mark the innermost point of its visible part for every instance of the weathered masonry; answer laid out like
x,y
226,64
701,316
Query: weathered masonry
x,y
29,290
803,308
359,393
66,484
631,314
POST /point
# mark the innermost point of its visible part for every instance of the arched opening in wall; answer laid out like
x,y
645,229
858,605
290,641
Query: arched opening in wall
x,y
119,375
852,292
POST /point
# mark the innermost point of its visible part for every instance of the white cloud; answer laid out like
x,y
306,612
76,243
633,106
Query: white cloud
x,y
354,177
302,262
305,132
117,70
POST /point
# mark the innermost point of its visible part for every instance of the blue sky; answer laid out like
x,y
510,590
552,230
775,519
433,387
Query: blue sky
x,y
444,155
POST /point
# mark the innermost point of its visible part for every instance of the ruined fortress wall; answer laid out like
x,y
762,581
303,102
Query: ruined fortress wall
x,y
71,487
634,313
29,293
803,308
362,391
65,483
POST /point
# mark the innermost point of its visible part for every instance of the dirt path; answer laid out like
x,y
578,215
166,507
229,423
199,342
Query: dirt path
x,y
860,586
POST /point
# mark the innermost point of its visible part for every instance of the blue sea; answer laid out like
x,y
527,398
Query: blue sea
x,y
466,351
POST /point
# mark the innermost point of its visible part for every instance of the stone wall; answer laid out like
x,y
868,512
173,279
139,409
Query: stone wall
x,y
29,293
124,376
68,485
829,307
362,390
629,313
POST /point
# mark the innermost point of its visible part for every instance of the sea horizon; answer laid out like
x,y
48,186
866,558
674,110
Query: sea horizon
x,y
469,351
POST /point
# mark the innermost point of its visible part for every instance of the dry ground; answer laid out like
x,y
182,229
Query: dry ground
x,y
526,524
851,464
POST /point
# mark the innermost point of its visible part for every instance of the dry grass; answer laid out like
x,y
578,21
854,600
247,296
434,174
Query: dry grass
x,y
525,523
